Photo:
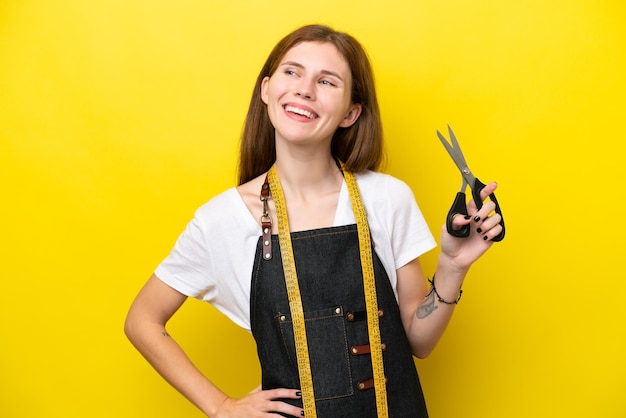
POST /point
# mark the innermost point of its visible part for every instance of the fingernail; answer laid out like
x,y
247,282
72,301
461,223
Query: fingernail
x,y
479,230
302,413
467,217
299,394
477,218
485,237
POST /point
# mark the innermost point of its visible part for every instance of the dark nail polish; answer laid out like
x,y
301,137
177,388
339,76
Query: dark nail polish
x,y
479,230
477,218
467,217
299,394
485,237
302,413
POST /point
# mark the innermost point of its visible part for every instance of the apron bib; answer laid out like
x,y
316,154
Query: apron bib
x,y
331,288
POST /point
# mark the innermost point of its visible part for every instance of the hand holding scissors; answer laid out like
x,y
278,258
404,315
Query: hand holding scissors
x,y
459,207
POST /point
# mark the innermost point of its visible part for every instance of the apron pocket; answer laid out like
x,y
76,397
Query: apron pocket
x,y
328,350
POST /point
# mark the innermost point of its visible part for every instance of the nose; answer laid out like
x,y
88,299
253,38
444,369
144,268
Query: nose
x,y
305,89
303,94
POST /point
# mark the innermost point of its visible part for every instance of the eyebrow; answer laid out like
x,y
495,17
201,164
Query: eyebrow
x,y
298,65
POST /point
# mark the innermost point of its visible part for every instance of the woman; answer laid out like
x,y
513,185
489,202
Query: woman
x,y
311,143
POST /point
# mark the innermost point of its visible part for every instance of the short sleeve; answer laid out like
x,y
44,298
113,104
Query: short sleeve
x,y
213,257
187,268
410,235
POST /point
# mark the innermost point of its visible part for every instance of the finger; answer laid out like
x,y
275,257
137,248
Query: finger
x,y
460,220
490,222
282,393
287,409
483,213
484,194
492,233
276,405
488,189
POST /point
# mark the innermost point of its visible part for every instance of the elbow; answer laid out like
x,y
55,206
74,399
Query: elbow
x,y
131,327
421,351
422,354
128,328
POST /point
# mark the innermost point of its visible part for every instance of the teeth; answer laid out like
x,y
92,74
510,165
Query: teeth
x,y
299,111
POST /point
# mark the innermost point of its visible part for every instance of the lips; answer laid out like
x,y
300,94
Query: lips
x,y
300,111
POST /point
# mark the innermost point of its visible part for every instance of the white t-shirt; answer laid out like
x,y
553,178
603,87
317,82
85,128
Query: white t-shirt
x,y
212,259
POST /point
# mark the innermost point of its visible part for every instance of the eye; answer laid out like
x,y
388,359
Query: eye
x,y
328,83
291,73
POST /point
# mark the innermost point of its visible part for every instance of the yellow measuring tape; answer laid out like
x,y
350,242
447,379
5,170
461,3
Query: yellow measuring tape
x,y
371,303
295,302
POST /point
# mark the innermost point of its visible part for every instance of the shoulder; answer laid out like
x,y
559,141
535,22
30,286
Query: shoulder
x,y
223,202
388,199
223,213
381,186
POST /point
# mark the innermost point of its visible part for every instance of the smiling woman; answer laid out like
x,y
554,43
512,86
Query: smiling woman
x,y
337,336
359,147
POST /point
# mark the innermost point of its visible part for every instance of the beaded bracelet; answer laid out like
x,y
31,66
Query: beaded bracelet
x,y
439,298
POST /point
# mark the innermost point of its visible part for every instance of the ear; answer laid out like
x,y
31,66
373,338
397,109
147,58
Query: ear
x,y
351,117
264,86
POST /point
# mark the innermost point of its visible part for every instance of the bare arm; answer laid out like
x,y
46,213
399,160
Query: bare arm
x,y
145,328
145,324
424,316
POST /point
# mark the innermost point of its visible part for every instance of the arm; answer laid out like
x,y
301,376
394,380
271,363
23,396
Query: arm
x,y
424,317
145,324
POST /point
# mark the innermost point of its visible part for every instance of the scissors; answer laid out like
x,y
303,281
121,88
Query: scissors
x,y
459,207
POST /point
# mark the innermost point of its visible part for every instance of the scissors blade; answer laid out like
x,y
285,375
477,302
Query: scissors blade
x,y
454,149
447,145
460,158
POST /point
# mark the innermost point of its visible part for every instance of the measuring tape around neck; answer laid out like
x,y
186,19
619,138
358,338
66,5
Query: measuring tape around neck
x,y
295,301
369,285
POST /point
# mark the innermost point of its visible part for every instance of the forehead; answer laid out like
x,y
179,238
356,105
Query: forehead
x,y
318,56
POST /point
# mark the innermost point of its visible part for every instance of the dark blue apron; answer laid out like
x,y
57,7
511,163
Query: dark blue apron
x,y
331,286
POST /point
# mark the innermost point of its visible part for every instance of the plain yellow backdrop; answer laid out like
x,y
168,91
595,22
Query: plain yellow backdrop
x,y
119,118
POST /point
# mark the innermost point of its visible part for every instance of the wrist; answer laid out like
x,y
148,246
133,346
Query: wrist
x,y
217,405
450,278
447,301
449,270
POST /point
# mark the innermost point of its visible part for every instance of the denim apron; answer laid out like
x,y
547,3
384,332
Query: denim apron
x,y
331,287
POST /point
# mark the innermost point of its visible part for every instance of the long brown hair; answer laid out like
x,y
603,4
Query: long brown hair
x,y
359,146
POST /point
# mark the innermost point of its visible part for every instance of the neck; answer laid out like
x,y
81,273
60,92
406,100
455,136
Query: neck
x,y
308,176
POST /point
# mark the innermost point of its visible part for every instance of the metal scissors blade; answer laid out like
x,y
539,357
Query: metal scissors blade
x,y
454,149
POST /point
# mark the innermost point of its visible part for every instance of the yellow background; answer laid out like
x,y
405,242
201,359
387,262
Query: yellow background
x,y
119,118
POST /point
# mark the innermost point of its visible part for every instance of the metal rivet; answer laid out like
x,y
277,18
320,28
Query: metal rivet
x,y
350,316
383,346
265,231
283,317
266,243
268,255
361,385
381,313
337,310
355,350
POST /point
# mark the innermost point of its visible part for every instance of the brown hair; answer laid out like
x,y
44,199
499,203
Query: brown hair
x,y
359,146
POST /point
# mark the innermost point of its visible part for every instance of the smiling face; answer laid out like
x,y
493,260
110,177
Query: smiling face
x,y
309,95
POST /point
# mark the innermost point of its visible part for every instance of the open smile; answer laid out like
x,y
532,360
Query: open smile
x,y
299,111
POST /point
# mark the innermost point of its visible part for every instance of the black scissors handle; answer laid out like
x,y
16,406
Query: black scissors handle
x,y
459,207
